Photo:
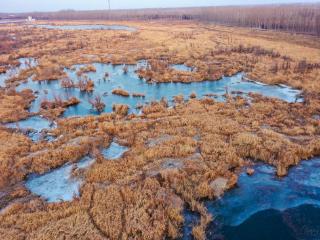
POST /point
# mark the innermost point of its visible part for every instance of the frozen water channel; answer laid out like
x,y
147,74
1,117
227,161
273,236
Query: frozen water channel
x,y
114,151
60,185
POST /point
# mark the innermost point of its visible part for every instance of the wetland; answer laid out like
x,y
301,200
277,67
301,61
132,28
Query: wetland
x,y
153,131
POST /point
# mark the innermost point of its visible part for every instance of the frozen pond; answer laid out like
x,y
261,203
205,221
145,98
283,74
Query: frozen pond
x,y
114,151
59,184
153,92
32,126
87,27
261,201
181,67
25,63
36,123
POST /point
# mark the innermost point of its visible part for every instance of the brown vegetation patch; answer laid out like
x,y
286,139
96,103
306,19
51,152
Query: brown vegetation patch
x,y
85,84
120,109
120,92
49,72
97,103
14,105
86,69
209,143
143,193
55,108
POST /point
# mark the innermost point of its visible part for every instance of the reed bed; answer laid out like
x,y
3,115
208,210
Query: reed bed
x,y
177,156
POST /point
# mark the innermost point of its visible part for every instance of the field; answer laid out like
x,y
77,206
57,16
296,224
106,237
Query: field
x,y
177,156
295,18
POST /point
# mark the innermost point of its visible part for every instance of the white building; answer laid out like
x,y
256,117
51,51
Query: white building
x,y
30,19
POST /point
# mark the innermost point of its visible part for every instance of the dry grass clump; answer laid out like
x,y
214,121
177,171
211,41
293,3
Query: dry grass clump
x,y
3,69
10,41
155,107
58,102
56,107
49,72
120,109
14,105
160,71
256,50
193,95
179,99
97,103
86,69
14,146
120,92
85,84
67,83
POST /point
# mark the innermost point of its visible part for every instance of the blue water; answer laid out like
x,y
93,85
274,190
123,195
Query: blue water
x,y
153,92
258,195
298,223
87,27
25,63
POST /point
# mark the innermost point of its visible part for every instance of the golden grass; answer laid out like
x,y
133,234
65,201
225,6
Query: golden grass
x,y
97,103
86,69
120,92
55,108
141,194
209,49
177,156
14,105
120,109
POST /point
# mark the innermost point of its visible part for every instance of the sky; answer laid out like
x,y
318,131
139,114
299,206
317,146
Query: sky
x,y
14,6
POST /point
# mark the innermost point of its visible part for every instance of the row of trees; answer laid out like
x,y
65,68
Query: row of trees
x,y
292,18
298,18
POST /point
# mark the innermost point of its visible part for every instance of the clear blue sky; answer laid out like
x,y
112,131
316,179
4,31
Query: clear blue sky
x,y
54,5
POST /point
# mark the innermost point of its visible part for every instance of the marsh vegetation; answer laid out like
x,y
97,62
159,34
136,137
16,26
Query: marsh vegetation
x,y
139,127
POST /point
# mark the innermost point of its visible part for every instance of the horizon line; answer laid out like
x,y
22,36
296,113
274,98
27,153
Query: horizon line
x,y
165,8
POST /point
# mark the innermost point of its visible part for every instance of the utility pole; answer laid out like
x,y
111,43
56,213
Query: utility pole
x,y
109,7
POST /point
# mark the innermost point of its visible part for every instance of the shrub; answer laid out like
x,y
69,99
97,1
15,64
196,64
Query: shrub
x,y
97,103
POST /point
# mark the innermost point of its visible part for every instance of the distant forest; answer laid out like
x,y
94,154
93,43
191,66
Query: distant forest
x,y
296,18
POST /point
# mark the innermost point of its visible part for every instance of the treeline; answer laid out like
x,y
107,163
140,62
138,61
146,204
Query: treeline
x,y
298,18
